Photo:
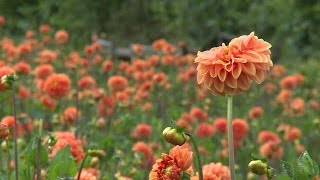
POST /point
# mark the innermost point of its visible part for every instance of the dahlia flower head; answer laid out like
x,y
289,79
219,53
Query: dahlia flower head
x,y
172,165
214,171
230,70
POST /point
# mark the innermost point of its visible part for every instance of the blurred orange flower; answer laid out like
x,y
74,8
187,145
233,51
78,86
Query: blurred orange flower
x,y
57,85
61,36
214,171
117,83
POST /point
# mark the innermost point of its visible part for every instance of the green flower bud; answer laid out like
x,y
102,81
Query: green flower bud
x,y
174,136
96,153
8,80
52,140
258,167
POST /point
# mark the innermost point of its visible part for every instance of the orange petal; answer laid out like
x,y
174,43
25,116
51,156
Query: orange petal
x,y
262,46
243,82
222,75
249,68
203,69
208,81
236,71
259,77
213,72
200,78
229,91
218,85
230,81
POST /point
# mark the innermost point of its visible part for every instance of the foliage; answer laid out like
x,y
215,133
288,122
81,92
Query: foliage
x,y
289,25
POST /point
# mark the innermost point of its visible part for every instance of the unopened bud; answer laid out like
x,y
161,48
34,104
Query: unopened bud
x,y
4,146
8,80
258,167
94,162
52,140
96,153
101,123
174,136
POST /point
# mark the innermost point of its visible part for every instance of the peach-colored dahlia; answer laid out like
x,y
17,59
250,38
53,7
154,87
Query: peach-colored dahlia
x,y
230,70
214,171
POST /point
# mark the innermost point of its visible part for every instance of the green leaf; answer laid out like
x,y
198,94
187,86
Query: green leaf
x,y
307,165
31,153
289,170
62,165
254,157
185,176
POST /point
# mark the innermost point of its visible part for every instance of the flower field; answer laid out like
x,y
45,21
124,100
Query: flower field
x,y
78,113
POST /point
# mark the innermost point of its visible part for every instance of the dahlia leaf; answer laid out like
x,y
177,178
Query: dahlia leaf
x,y
62,165
307,165
31,154
289,169
185,176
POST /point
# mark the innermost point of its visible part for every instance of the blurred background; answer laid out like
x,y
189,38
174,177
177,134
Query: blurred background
x,y
292,26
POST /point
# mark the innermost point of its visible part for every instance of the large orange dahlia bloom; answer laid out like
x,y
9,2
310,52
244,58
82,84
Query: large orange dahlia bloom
x,y
230,70
171,167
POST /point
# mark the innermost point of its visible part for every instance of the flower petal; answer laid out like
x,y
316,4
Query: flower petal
x,y
236,71
222,75
230,81
249,68
218,85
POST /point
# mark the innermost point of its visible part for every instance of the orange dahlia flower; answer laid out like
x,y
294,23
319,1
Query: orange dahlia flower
x,y
214,171
117,83
69,115
57,85
68,138
61,36
172,166
230,70
2,20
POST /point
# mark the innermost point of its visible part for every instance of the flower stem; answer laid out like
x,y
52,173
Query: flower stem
x,y
194,144
78,127
81,166
230,139
15,133
39,150
9,159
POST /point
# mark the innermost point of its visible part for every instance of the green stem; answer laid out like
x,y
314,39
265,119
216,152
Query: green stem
x,y
230,139
81,166
78,127
15,134
39,150
9,159
194,144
